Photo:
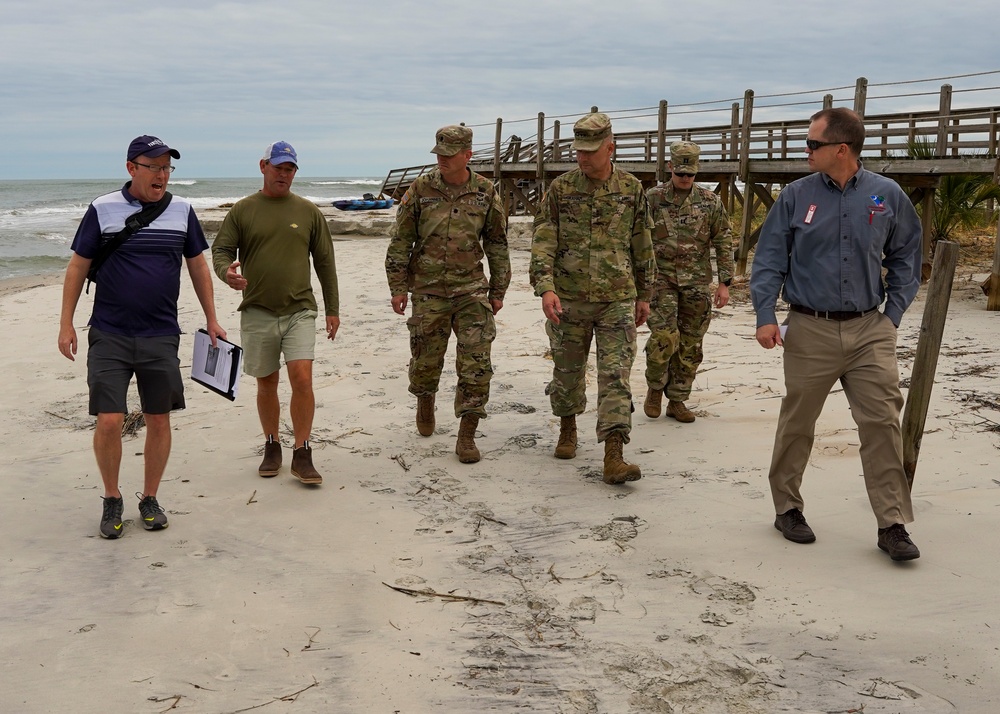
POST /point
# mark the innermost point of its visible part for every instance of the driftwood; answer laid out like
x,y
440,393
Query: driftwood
x,y
445,596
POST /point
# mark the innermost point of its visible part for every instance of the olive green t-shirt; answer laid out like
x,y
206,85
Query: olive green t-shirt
x,y
273,239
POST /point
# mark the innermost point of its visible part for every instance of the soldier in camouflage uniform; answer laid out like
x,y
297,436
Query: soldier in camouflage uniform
x,y
592,264
447,220
688,221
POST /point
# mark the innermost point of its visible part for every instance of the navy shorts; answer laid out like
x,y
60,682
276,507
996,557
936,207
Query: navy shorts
x,y
113,359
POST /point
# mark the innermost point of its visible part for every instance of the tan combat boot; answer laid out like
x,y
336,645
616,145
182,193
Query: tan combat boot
x,y
302,465
272,458
616,469
678,411
466,445
654,403
425,414
566,446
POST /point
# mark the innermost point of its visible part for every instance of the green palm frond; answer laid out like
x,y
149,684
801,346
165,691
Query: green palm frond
x,y
961,200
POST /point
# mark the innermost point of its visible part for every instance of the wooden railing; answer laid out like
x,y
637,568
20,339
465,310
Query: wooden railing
x,y
746,157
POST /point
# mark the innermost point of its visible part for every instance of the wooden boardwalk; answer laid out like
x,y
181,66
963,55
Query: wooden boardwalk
x,y
748,160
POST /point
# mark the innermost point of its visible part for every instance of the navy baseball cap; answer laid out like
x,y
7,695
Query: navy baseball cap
x,y
150,146
280,152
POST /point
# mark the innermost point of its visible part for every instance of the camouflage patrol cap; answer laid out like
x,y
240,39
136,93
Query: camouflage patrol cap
x,y
452,139
684,158
591,131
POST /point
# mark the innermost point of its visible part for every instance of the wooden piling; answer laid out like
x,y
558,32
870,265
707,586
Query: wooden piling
x,y
928,347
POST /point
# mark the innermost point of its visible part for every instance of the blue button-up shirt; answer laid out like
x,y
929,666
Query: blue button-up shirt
x,y
825,249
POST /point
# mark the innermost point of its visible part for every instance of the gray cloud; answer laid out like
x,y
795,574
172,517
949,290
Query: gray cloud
x,y
361,88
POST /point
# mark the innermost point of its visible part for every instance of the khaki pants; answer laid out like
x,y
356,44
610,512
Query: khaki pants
x,y
861,354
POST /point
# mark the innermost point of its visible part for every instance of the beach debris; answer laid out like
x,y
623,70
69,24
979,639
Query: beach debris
x,y
286,698
445,596
312,641
134,421
176,700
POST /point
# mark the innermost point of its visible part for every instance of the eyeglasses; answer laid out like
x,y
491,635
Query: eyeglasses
x,y
156,169
683,176
813,144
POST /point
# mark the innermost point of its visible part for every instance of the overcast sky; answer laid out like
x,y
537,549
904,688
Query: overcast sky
x,y
359,88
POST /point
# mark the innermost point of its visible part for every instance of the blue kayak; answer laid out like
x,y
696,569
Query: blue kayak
x,y
363,204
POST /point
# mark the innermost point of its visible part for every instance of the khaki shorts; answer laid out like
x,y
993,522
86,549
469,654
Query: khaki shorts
x,y
266,337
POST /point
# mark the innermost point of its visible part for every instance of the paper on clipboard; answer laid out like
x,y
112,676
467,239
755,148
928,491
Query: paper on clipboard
x,y
217,368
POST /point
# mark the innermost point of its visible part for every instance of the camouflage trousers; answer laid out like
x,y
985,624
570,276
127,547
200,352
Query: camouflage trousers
x,y
432,321
678,321
613,323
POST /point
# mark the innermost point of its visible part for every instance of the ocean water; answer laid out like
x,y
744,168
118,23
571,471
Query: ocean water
x,y
38,218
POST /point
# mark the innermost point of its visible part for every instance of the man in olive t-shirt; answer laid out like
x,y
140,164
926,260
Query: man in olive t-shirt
x,y
270,236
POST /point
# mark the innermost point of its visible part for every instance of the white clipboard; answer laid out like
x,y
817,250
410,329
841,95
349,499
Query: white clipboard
x,y
217,368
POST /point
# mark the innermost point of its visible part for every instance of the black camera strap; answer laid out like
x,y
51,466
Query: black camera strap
x,y
133,224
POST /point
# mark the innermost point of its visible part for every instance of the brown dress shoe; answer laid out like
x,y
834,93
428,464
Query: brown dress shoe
x,y
654,403
272,458
302,466
895,541
678,411
793,526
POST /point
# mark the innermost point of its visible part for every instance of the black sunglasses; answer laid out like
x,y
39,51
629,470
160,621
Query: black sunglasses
x,y
813,144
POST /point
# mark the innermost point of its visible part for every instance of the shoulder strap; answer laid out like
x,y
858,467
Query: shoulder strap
x,y
133,224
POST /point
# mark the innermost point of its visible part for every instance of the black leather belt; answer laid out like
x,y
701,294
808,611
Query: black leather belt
x,y
830,314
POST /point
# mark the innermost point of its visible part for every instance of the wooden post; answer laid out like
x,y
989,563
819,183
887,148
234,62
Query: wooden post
x,y
741,263
497,180
746,229
928,347
828,101
734,137
927,231
556,149
993,299
860,96
944,111
745,135
992,148
661,142
540,149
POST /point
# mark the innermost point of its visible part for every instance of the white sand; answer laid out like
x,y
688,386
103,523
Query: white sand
x,y
671,594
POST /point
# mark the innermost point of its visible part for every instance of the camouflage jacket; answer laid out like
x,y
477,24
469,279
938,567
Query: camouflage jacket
x,y
442,234
683,232
592,243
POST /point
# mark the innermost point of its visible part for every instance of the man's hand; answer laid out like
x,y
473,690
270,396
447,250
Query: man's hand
x,y
641,312
497,305
551,306
769,336
332,325
214,330
399,304
67,342
233,277
721,296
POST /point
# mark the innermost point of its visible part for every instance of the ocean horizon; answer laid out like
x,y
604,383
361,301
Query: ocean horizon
x,y
38,217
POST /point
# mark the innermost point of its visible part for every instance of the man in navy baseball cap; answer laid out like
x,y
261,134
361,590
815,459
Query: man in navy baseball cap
x,y
150,146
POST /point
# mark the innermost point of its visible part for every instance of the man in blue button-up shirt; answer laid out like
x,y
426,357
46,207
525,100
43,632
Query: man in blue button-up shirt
x,y
823,247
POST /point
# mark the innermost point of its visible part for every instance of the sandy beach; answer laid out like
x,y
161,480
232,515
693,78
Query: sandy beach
x,y
538,587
